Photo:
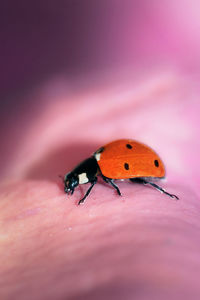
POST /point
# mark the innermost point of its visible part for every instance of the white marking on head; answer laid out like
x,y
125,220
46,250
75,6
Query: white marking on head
x,y
83,178
98,156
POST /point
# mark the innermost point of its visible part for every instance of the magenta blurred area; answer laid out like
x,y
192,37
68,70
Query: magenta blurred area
x,y
43,39
118,64
69,46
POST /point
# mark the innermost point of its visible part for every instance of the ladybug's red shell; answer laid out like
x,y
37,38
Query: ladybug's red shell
x,y
123,159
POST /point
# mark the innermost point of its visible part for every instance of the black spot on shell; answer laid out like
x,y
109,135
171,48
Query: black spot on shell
x,y
129,146
126,166
156,163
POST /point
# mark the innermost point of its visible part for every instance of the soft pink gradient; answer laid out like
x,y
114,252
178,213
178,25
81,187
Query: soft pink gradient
x,y
143,243
75,76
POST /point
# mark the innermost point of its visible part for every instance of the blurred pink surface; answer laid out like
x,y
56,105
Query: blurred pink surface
x,y
74,77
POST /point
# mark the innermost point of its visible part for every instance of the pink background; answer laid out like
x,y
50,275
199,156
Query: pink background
x,y
76,75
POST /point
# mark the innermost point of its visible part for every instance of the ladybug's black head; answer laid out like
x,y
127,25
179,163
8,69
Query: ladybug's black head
x,y
71,181
85,172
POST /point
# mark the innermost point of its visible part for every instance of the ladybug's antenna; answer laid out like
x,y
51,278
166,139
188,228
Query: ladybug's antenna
x,y
62,177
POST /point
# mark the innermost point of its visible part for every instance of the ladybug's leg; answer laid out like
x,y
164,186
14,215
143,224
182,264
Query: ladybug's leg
x,y
88,191
111,181
141,180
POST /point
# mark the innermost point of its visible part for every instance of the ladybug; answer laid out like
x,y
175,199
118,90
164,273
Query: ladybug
x,y
121,159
